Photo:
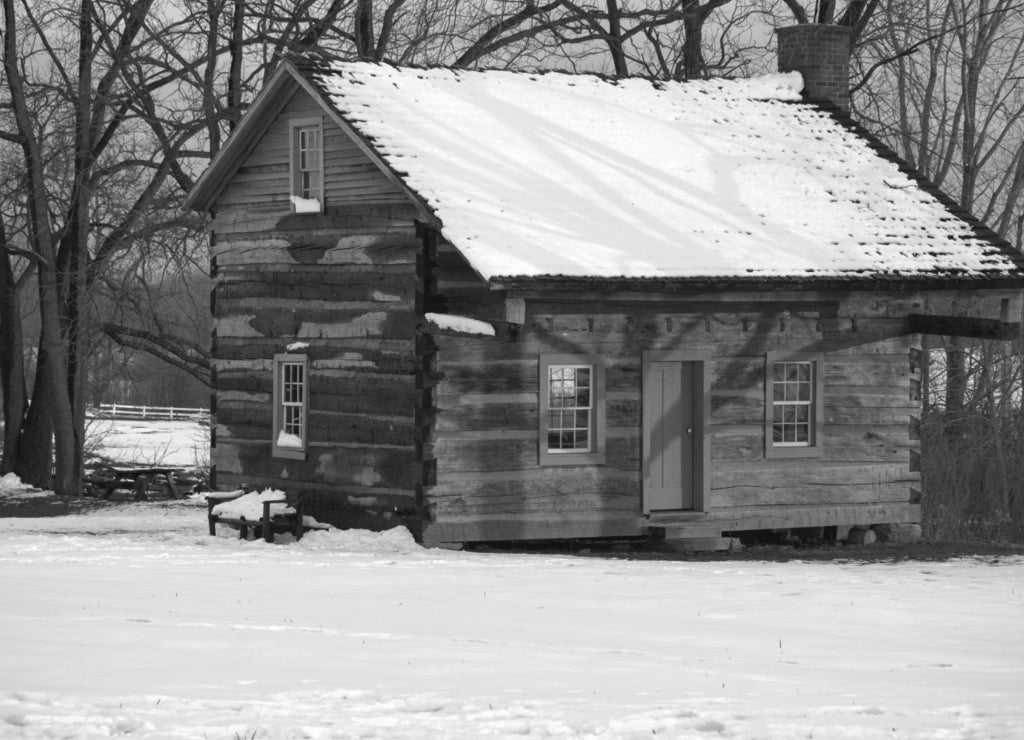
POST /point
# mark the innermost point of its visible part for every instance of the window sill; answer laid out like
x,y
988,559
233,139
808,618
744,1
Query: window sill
x,y
286,453
551,459
789,453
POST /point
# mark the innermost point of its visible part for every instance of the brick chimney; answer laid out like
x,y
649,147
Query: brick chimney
x,y
821,53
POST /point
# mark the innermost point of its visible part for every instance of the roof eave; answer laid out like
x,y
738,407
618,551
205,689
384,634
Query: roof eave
x,y
759,283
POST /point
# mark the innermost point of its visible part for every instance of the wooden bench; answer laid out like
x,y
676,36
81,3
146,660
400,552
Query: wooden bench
x,y
269,523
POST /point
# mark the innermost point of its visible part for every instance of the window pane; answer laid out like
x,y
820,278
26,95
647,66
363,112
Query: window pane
x,y
569,401
293,420
792,402
582,420
291,413
308,162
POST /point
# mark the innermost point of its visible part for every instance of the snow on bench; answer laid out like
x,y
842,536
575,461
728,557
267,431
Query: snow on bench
x,y
269,512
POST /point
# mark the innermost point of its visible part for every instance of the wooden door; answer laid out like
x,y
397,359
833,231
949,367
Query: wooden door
x,y
671,435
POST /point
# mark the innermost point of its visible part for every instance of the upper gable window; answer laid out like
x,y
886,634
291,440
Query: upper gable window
x,y
307,194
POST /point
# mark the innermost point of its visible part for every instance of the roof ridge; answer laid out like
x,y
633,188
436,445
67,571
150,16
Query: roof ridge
x,y
323,60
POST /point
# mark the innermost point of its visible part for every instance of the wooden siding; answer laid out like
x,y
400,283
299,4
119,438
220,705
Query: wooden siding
x,y
490,484
264,180
343,282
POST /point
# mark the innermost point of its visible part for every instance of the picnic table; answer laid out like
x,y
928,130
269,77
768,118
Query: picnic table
x,y
108,478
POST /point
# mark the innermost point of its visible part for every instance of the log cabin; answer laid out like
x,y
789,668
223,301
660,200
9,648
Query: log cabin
x,y
504,306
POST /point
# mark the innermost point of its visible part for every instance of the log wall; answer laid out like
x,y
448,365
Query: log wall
x,y
489,483
343,282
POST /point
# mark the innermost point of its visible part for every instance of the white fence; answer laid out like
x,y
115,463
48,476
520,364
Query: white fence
x,y
124,411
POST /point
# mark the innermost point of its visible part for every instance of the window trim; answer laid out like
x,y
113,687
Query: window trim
x,y
290,453
596,454
295,127
817,415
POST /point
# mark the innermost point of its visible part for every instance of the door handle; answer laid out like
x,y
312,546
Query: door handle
x,y
689,430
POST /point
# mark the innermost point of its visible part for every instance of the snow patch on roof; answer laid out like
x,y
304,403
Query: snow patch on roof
x,y
580,176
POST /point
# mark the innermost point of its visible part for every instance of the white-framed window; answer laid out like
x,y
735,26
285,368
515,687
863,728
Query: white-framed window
x,y
291,406
307,158
794,415
572,410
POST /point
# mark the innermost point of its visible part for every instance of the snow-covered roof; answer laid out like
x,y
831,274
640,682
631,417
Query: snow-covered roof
x,y
578,176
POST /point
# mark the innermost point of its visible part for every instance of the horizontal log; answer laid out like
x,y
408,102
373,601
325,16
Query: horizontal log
x,y
751,410
454,414
381,320
459,454
340,218
734,443
621,347
327,355
804,495
552,489
785,517
254,423
539,502
362,287
319,496
457,377
385,467
965,326
821,483
576,525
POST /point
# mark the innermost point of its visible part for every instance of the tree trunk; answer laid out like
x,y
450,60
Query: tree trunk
x,y
34,461
80,226
235,51
615,40
693,29
365,46
41,238
12,358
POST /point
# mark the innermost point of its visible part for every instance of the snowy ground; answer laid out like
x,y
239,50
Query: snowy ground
x,y
133,621
178,443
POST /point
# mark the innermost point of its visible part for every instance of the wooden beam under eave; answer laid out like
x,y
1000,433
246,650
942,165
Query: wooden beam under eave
x,y
964,326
